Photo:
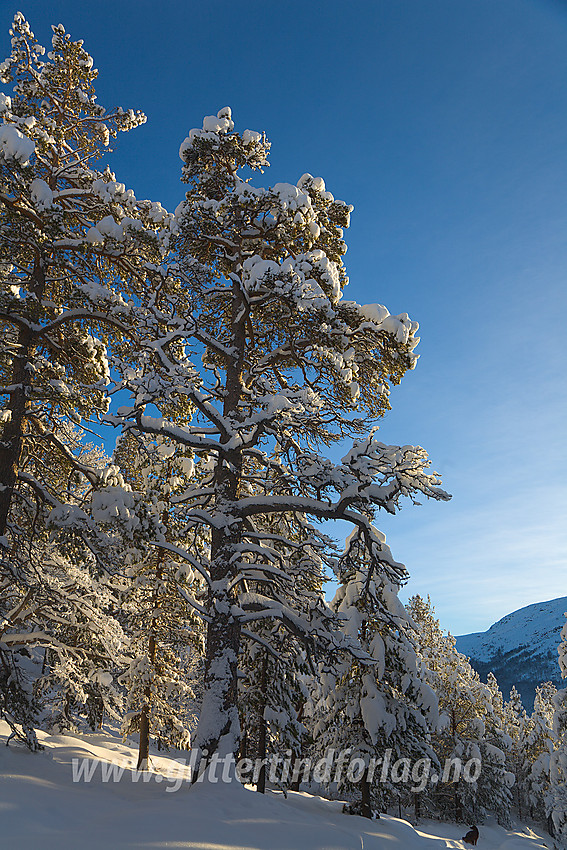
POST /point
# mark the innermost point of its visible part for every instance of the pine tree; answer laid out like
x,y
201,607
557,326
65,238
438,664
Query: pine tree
x,y
60,641
271,693
518,727
74,249
539,744
165,633
380,695
253,337
273,664
469,726
557,795
495,783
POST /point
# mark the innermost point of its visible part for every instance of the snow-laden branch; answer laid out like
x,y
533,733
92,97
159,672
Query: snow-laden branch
x,y
156,426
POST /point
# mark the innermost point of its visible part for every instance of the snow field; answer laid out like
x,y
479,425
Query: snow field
x,y
41,808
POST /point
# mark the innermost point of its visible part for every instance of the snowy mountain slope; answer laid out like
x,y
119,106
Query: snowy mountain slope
x,y
41,806
521,648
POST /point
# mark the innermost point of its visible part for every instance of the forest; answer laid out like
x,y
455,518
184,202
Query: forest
x,y
176,586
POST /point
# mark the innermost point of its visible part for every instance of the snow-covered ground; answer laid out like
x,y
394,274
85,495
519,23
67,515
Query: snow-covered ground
x,y
41,808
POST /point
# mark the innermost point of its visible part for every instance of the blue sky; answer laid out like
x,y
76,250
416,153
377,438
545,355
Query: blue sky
x,y
445,123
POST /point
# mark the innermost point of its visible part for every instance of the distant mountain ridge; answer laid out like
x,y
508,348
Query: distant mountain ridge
x,y
520,649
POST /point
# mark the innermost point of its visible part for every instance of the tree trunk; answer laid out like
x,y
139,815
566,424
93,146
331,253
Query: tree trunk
x,y
219,724
262,738
294,786
366,808
243,751
218,730
144,748
458,806
12,434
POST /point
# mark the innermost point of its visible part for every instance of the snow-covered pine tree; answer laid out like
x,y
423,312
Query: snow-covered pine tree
x,y
539,744
74,247
60,640
74,250
518,727
495,783
557,795
466,711
376,702
275,364
166,636
271,693
273,663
